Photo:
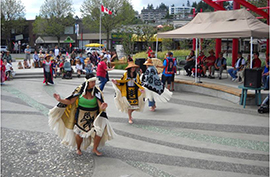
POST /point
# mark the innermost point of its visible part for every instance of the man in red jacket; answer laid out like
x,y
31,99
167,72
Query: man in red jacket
x,y
256,62
101,73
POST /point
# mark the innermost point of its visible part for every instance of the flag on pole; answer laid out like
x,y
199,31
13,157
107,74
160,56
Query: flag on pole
x,y
105,10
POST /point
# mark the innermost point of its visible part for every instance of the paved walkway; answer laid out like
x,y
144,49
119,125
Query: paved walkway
x,y
192,135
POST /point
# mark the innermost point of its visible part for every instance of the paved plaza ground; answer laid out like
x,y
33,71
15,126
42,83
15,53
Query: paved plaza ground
x,y
192,135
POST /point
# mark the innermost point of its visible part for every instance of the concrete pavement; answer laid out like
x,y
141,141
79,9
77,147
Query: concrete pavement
x,y
192,135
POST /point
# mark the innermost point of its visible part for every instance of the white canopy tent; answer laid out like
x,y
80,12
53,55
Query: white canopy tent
x,y
221,24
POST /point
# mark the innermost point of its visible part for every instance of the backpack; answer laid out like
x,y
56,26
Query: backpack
x,y
170,66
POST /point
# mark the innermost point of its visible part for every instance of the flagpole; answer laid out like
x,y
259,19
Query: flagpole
x,y
100,28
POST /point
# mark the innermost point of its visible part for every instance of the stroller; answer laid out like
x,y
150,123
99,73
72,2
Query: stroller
x,y
67,71
264,107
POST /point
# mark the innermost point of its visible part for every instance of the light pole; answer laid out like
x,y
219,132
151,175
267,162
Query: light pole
x,y
76,30
158,27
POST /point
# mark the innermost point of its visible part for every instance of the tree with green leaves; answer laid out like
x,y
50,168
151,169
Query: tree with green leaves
x,y
12,18
127,39
123,14
54,16
260,3
150,6
163,6
167,42
145,33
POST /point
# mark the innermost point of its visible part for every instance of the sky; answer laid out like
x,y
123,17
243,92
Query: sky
x,y
32,6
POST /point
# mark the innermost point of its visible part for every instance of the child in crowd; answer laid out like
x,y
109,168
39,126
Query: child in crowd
x,y
89,67
61,66
54,68
26,64
79,67
9,70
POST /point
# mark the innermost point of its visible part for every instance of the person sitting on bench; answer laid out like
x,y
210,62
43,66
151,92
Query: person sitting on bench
x,y
219,65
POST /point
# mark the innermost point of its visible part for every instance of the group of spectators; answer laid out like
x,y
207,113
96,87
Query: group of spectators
x,y
204,63
212,64
7,72
82,64
238,71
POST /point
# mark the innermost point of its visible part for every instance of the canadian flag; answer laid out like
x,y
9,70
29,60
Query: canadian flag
x,y
105,10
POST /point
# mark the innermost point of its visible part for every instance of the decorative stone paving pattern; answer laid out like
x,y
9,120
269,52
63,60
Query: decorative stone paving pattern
x,y
21,112
26,153
240,155
254,145
217,107
199,126
12,99
153,171
147,157
33,103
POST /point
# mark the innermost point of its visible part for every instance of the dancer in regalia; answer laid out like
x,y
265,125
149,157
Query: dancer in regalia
x,y
154,88
129,95
80,119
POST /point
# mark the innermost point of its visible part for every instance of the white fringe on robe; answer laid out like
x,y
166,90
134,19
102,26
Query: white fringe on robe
x,y
122,103
101,127
163,98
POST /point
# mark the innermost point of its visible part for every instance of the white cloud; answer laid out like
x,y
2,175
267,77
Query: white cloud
x,y
31,8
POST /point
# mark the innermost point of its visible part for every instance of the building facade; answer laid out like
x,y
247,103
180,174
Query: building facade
x,y
153,15
180,12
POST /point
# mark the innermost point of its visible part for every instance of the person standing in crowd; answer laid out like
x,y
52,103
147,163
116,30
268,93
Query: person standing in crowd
x,y
153,86
72,57
265,74
129,94
256,62
102,70
3,71
152,55
47,69
114,56
8,57
239,66
36,60
219,65
148,52
108,56
190,63
27,52
174,72
129,59
54,68
61,65
16,47
56,51
81,118
104,50
169,64
93,58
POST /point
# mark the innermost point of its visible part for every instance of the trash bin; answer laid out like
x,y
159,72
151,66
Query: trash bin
x,y
140,62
